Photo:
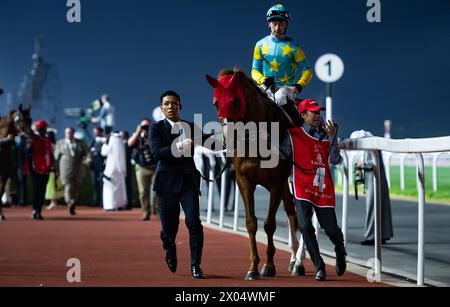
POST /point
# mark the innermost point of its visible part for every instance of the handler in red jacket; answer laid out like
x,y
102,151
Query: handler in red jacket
x,y
312,147
43,164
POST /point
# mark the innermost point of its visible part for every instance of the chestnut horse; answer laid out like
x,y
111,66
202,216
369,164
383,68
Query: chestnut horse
x,y
239,99
13,124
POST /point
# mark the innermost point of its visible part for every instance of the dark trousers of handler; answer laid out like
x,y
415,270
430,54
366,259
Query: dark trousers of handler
x,y
328,221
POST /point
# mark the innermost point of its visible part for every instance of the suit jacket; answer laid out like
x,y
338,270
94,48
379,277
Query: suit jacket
x,y
71,167
170,170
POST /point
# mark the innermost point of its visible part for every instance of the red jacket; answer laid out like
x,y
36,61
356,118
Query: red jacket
x,y
313,182
42,155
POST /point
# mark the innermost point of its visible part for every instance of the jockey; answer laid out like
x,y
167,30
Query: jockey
x,y
276,60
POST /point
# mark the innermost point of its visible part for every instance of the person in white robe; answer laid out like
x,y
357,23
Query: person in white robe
x,y
114,189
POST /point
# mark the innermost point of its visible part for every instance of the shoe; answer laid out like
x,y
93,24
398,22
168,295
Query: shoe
x,y
171,259
72,211
372,242
51,207
321,275
36,215
341,265
197,272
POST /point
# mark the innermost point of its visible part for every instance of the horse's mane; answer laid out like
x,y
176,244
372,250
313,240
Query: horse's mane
x,y
250,82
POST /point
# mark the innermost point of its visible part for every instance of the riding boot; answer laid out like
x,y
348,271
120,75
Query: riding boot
x,y
292,111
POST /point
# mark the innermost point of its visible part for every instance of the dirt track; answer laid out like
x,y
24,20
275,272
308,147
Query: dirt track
x,y
117,249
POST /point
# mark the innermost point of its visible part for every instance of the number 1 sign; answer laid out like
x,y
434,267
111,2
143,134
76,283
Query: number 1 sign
x,y
329,68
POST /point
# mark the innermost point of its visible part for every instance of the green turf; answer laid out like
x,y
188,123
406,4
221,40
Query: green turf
x,y
443,193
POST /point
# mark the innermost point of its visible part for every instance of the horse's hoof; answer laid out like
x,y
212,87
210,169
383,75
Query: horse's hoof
x,y
252,276
2,218
299,270
291,266
268,271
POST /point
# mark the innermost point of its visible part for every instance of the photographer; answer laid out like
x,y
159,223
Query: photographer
x,y
145,168
98,165
364,175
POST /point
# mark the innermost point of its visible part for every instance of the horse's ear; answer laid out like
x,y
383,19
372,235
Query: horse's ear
x,y
234,79
213,82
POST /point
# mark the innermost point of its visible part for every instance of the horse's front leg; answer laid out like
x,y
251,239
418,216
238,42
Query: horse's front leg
x,y
2,190
247,191
270,226
296,266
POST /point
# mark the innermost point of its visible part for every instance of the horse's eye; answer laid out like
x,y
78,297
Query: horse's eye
x,y
236,105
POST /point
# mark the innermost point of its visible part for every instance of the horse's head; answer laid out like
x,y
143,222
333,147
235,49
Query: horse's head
x,y
22,120
229,97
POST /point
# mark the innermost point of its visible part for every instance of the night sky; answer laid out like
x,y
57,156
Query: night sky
x,y
133,50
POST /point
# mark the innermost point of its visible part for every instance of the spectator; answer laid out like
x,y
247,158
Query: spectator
x,y
125,135
114,190
70,154
98,165
145,168
106,115
54,189
366,165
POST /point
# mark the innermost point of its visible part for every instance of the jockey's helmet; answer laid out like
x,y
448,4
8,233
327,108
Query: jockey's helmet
x,y
277,13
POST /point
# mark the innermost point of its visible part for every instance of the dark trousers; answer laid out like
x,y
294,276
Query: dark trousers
x,y
328,221
21,186
169,211
128,187
39,188
97,178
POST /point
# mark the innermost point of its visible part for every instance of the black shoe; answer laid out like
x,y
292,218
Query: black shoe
x,y
171,259
72,211
321,275
372,242
197,272
341,265
37,215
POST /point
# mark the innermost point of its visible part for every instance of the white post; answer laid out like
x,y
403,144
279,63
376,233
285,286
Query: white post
x,y
223,186
212,164
435,172
329,108
236,208
421,222
387,166
377,202
402,172
345,197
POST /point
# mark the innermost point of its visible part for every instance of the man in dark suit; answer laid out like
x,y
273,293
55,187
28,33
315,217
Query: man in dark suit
x,y
177,182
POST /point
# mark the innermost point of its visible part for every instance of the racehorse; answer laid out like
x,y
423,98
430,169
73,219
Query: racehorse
x,y
238,99
13,124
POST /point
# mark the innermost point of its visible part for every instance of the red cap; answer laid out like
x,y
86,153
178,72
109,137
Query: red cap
x,y
41,124
309,105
